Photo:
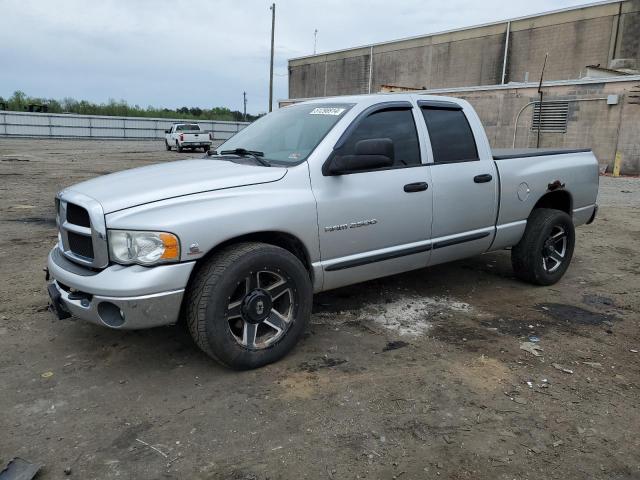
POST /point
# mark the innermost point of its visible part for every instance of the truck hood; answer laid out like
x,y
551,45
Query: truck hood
x,y
137,186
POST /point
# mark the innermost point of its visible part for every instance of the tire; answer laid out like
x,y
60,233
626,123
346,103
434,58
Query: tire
x,y
545,250
178,147
167,146
205,149
232,291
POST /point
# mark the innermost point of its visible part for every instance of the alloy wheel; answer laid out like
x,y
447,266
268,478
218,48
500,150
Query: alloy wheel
x,y
261,308
554,249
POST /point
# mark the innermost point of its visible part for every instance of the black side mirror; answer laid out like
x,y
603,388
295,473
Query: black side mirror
x,y
369,154
167,131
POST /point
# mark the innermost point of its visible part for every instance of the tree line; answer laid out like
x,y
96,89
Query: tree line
x,y
21,102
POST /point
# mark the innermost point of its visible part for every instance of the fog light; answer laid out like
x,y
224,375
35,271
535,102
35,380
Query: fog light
x,y
111,314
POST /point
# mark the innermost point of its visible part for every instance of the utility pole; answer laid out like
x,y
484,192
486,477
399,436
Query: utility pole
x,y
244,100
273,27
315,40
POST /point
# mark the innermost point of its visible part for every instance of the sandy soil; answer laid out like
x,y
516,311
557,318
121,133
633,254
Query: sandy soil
x,y
418,375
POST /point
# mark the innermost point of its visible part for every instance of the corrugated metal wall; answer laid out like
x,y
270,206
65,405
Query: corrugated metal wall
x,y
26,124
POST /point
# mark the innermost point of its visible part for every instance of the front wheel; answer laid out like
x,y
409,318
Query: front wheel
x,y
544,253
167,146
249,304
178,147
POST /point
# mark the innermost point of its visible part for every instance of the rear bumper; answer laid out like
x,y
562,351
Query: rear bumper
x,y
120,297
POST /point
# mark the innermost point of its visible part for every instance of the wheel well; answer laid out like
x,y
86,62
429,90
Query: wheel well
x,y
279,239
559,200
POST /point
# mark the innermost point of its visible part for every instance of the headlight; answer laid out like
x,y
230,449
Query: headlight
x,y
145,248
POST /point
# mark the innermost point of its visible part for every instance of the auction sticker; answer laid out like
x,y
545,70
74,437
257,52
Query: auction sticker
x,y
326,111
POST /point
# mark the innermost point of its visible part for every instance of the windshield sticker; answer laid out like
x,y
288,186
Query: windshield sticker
x,y
327,111
294,156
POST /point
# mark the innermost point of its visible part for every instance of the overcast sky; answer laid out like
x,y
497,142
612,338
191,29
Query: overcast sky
x,y
205,53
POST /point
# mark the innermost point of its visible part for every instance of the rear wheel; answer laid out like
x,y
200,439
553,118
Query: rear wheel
x,y
206,148
544,253
249,304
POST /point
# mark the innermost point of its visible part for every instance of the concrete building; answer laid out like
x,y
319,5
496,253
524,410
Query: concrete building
x,y
594,52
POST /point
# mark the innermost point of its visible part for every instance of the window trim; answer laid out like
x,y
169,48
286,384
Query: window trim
x,y
439,105
444,105
367,112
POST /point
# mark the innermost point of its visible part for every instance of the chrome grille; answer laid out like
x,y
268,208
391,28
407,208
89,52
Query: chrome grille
x,y
81,229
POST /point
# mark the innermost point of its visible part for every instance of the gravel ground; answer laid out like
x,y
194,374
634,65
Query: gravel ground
x,y
414,376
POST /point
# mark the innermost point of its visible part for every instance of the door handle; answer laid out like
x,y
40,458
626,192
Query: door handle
x,y
484,178
416,187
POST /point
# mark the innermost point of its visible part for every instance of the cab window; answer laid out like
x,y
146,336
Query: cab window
x,y
450,134
395,124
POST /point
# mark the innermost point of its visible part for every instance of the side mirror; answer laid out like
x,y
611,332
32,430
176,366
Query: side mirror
x,y
167,131
369,154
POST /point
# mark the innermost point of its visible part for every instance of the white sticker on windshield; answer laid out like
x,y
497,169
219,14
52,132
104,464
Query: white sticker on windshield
x,y
326,111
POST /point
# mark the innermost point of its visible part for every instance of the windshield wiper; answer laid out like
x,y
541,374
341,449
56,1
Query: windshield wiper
x,y
243,152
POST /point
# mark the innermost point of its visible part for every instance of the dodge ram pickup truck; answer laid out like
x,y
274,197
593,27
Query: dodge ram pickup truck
x,y
312,197
187,135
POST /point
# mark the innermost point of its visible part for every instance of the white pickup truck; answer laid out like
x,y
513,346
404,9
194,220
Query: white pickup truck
x,y
311,197
187,135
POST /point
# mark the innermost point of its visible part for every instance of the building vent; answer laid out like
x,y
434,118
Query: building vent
x,y
553,117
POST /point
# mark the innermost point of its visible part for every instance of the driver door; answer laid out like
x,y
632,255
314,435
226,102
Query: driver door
x,y
375,222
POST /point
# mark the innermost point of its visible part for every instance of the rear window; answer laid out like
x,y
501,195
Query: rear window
x,y
193,127
450,134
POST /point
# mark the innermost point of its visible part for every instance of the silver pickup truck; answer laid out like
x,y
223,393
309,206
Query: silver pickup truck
x,y
312,197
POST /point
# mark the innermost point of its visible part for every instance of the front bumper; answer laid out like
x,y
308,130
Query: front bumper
x,y
123,297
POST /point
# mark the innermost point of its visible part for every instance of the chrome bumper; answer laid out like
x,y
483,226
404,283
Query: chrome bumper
x,y
120,297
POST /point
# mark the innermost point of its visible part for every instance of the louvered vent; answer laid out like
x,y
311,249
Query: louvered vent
x,y
553,117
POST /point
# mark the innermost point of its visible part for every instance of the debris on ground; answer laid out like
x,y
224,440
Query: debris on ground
x,y
561,368
596,365
532,348
19,469
152,448
394,345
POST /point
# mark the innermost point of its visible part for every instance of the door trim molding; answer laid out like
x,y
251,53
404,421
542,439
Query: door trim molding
x,y
456,241
380,256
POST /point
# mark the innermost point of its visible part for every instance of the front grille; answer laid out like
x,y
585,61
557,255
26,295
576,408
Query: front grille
x,y
82,230
80,245
78,215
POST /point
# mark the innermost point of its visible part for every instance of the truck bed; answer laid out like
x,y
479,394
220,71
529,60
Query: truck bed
x,y
508,153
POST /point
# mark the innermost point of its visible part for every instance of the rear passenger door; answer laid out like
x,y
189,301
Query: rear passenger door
x,y
465,185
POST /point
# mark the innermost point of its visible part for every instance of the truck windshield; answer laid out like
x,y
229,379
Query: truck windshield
x,y
193,127
289,134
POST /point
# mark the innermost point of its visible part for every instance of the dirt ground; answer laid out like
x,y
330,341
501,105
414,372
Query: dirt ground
x,y
418,375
